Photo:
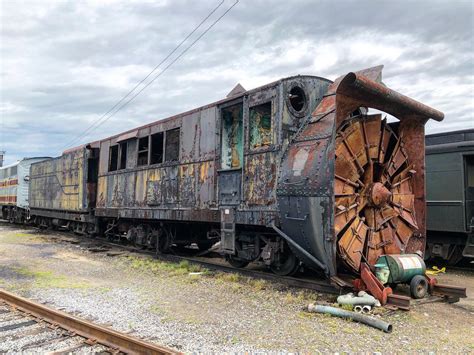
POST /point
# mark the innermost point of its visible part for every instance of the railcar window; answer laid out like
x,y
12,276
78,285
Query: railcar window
x,y
261,125
14,170
113,158
156,148
143,144
232,151
123,155
172,145
470,171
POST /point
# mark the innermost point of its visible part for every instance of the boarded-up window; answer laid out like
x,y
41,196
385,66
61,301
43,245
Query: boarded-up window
x,y
113,158
142,151
232,148
123,155
157,148
172,145
261,125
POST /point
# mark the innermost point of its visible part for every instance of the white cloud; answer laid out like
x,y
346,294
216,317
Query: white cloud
x,y
64,63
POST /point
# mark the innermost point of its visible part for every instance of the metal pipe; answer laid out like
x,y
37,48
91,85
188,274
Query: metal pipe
x,y
297,246
376,95
366,309
363,299
338,312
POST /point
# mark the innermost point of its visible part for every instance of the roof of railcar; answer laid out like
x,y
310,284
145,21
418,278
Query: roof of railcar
x,y
197,109
21,160
464,135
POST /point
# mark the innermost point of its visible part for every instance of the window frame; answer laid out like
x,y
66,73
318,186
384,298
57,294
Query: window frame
x,y
162,148
272,127
122,145
147,151
165,148
112,146
226,106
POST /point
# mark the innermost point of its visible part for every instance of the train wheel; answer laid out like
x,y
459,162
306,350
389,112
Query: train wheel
x,y
236,262
287,264
374,192
163,244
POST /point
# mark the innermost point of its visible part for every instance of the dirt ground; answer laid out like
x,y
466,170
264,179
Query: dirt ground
x,y
194,310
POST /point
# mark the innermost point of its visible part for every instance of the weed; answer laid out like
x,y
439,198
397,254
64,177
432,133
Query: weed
x,y
45,279
172,269
347,307
258,284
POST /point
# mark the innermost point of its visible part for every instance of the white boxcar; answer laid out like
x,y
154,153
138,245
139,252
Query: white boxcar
x,y
14,186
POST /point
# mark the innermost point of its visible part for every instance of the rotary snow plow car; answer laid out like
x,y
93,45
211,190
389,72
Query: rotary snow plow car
x,y
352,187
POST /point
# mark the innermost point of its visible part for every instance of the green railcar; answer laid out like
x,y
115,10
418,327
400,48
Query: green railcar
x,y
450,195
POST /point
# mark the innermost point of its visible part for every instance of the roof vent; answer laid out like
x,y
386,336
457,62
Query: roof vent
x,y
237,90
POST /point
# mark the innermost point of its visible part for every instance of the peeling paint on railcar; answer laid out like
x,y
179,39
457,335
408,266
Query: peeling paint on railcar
x,y
60,183
260,179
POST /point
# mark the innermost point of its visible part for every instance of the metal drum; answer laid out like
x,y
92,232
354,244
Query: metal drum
x,y
402,268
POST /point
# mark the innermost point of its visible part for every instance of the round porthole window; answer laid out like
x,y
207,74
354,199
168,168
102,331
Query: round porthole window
x,y
297,100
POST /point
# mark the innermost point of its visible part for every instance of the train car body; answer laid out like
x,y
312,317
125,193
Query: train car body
x,y
63,190
14,189
198,166
450,195
296,171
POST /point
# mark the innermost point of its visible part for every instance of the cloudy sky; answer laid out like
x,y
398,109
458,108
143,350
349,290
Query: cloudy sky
x,y
63,64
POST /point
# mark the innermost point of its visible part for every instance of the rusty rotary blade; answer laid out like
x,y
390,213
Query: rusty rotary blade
x,y
344,186
386,134
350,144
344,215
371,127
405,206
403,182
351,244
377,217
382,242
398,159
402,231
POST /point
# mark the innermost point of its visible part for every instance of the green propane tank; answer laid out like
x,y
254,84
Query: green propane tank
x,y
401,268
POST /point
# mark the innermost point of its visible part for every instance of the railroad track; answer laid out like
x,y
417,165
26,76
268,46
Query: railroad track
x,y
337,286
319,285
305,283
27,326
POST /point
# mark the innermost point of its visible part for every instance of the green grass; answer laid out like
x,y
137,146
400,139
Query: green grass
x,y
16,237
173,269
47,279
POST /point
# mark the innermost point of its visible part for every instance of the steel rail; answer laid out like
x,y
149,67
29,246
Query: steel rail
x,y
95,333
314,285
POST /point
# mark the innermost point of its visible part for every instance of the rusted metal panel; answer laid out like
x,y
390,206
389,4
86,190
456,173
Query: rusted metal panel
x,y
127,136
60,183
187,185
191,137
104,157
260,179
165,125
205,189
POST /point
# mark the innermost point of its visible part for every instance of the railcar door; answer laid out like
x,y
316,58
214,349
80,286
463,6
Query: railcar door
x,y
469,206
230,172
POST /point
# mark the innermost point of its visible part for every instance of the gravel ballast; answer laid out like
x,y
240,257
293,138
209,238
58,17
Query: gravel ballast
x,y
195,311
